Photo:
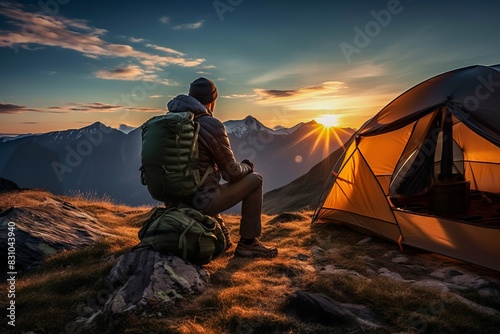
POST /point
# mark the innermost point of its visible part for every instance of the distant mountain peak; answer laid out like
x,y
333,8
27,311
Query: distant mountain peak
x,y
245,126
250,118
96,125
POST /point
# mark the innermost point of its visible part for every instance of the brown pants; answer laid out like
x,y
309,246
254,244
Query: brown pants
x,y
248,191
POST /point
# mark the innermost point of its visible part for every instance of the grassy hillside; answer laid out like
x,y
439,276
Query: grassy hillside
x,y
302,193
247,295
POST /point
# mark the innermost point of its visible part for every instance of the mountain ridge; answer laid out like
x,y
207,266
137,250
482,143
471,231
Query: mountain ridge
x,y
102,160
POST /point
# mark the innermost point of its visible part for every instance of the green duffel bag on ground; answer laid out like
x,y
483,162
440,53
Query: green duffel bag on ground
x,y
184,232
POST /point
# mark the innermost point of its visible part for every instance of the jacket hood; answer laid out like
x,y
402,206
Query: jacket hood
x,y
182,103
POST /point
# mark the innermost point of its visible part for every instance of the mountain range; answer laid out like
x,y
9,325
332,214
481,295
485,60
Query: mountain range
x,y
103,161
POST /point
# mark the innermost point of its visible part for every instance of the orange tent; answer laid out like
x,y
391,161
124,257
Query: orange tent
x,y
417,170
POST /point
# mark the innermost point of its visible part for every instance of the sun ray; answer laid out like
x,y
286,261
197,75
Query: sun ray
x,y
322,135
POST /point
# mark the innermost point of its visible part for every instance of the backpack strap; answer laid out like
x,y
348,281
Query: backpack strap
x,y
205,175
182,238
210,168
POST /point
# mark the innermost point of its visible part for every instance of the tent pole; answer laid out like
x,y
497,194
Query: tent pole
x,y
447,152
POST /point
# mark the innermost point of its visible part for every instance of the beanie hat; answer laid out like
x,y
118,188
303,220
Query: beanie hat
x,y
203,90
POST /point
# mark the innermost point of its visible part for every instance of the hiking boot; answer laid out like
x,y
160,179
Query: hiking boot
x,y
255,249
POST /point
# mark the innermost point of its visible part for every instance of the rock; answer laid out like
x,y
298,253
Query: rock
x,y
7,185
389,254
370,271
365,258
50,227
144,276
469,280
400,259
318,254
489,292
332,270
389,274
364,241
432,284
141,281
446,273
287,217
460,278
318,308
476,307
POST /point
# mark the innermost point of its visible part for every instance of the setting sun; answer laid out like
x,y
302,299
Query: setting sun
x,y
328,120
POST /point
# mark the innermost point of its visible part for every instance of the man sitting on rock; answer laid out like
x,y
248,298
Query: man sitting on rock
x,y
243,184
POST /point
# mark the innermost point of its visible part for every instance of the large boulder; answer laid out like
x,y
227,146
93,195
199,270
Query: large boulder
x,y
144,281
145,276
47,228
319,308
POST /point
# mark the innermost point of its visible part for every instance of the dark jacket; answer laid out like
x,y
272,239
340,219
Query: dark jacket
x,y
214,150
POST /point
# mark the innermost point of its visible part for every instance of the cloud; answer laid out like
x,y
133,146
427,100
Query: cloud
x,y
85,107
104,107
189,26
164,49
320,97
101,107
164,19
132,73
128,73
146,109
29,48
93,107
56,110
155,96
275,95
239,96
366,70
136,40
8,108
30,29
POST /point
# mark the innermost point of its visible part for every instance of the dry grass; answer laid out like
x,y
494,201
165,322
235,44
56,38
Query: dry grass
x,y
246,295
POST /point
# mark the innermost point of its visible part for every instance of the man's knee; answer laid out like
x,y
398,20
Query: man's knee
x,y
256,178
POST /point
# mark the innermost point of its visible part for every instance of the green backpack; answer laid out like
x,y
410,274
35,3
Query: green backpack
x,y
184,232
169,156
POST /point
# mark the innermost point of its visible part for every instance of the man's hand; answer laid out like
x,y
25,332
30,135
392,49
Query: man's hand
x,y
248,162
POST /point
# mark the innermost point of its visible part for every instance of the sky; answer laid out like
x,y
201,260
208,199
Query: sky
x,y
66,64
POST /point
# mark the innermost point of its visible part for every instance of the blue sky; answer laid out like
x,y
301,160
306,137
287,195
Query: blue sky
x,y
69,63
